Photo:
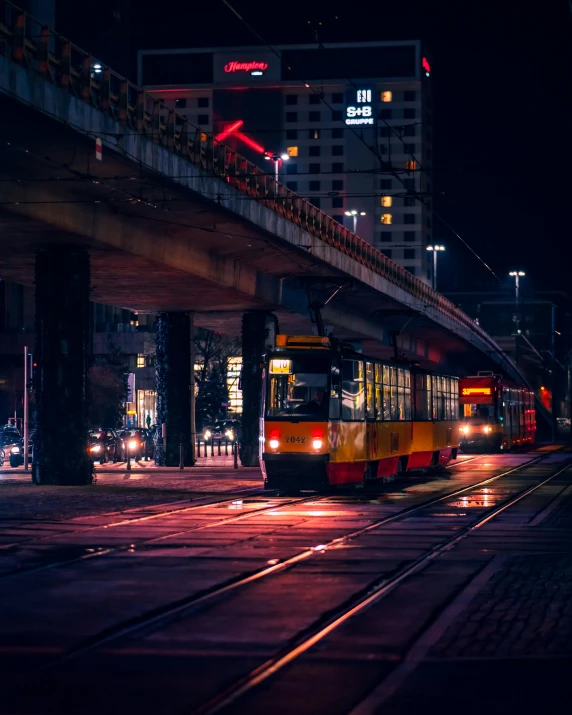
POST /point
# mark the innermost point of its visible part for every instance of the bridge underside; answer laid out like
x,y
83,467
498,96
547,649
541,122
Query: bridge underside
x,y
156,246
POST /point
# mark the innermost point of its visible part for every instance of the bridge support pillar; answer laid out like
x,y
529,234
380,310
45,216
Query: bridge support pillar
x,y
174,384
62,339
259,330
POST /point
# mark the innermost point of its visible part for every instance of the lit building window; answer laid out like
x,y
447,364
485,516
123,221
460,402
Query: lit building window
x,y
314,133
386,96
386,218
233,370
140,360
410,165
386,201
292,150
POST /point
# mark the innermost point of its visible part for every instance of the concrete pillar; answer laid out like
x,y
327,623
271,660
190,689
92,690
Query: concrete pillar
x,y
62,336
258,335
173,384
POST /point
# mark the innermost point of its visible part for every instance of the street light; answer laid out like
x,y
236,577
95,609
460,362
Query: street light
x,y
517,276
276,158
435,249
354,214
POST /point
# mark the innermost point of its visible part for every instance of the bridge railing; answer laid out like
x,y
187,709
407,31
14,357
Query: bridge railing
x,y
29,43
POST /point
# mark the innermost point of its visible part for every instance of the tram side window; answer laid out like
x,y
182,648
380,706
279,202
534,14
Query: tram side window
x,y
353,391
454,398
370,390
423,399
445,397
335,392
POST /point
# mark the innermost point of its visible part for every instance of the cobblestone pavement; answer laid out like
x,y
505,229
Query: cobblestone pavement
x,y
561,515
525,609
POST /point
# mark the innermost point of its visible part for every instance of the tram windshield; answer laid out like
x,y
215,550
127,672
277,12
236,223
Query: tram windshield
x,y
478,414
298,387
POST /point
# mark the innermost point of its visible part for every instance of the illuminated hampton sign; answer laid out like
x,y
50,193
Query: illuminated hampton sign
x,y
361,112
254,68
245,67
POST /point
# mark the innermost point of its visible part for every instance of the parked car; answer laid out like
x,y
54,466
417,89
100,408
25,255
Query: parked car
x,y
7,441
15,451
103,445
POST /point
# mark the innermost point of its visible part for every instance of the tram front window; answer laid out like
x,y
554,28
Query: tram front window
x,y
298,388
479,414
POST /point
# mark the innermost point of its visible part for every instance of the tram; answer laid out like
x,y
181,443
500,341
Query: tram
x,y
495,414
332,416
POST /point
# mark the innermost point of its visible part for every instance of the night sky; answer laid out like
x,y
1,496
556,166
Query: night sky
x,y
502,84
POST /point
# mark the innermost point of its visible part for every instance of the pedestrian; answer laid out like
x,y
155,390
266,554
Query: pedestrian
x,y
148,421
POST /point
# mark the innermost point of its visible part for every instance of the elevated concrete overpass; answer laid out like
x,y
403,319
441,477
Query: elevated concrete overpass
x,y
170,220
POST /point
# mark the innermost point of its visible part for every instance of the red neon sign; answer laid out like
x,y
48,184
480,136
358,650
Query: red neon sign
x,y
426,65
245,66
232,129
249,142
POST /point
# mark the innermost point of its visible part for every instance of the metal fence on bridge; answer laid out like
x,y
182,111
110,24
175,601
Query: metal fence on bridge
x,y
29,43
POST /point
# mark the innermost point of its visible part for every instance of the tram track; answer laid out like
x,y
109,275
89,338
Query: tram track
x,y
259,492
163,615
248,492
108,551
102,551
311,637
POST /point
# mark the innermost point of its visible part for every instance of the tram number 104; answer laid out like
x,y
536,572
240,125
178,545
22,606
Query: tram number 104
x,y
298,440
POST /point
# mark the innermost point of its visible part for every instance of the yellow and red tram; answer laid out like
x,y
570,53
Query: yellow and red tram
x,y
496,414
332,416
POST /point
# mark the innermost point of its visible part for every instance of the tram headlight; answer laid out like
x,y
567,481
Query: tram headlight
x,y
317,444
487,429
465,429
274,444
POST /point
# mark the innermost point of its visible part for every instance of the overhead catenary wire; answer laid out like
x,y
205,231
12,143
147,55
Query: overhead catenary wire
x,y
375,151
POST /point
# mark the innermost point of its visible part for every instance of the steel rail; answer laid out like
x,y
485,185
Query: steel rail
x,y
148,517
103,551
273,665
162,615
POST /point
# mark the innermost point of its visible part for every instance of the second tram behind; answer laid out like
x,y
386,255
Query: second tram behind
x,y
332,416
495,414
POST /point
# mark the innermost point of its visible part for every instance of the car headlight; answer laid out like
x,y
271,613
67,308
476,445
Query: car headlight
x,y
15,450
133,444
465,429
228,434
487,429
208,434
95,448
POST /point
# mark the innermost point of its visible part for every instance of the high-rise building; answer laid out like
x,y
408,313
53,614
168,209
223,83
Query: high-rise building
x,y
354,119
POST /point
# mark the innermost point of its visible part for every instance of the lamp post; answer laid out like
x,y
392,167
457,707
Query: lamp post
x,y
276,158
435,248
354,214
517,275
